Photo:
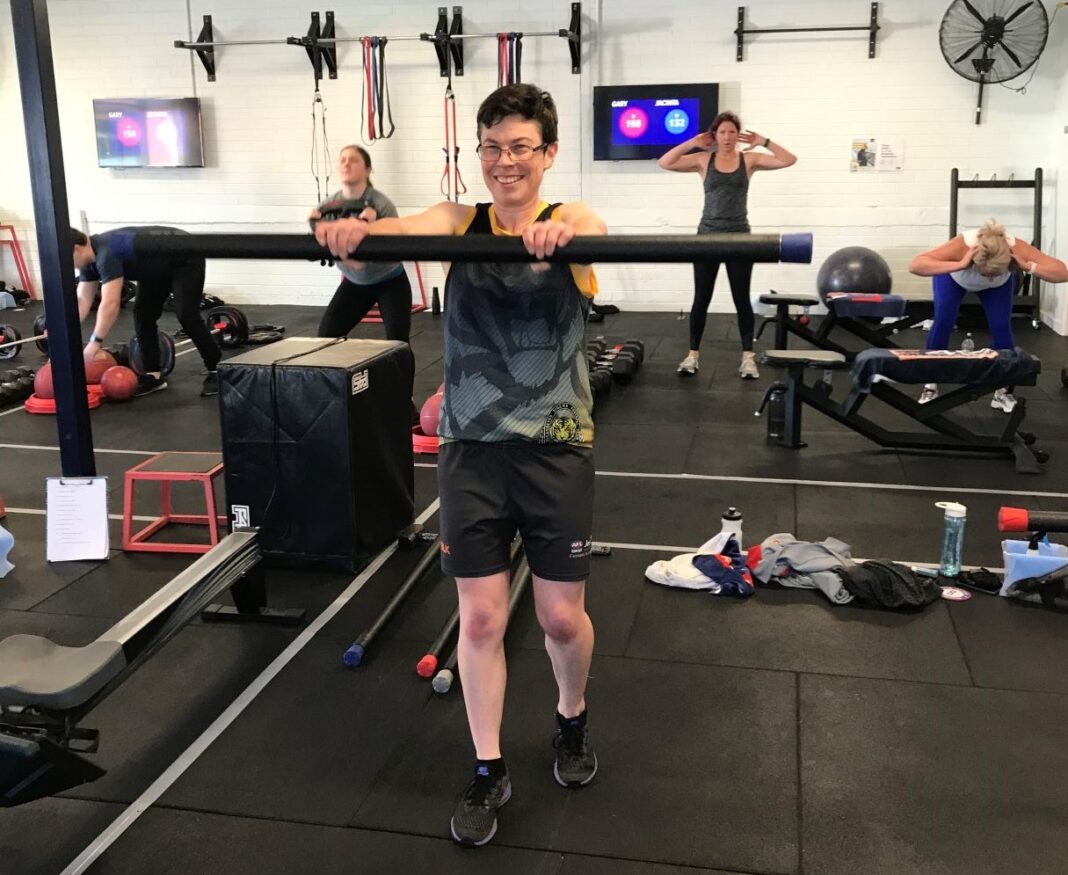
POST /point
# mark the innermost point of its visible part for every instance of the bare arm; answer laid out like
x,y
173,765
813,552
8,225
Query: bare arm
x,y
1036,262
678,160
106,313
343,236
86,295
779,158
583,220
950,256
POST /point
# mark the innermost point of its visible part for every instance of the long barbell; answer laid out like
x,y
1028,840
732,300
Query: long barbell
x,y
766,248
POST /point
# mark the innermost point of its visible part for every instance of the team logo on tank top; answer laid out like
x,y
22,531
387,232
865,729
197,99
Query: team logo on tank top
x,y
561,425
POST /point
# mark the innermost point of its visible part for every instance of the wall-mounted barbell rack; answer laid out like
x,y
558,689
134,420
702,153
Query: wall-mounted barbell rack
x,y
872,28
321,42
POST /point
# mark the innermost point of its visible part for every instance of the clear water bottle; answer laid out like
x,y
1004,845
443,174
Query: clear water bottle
x,y
952,537
968,345
732,524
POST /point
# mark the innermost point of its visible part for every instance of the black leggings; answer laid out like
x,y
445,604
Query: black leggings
x,y
740,275
185,280
351,302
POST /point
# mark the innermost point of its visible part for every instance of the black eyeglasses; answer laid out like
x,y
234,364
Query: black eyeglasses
x,y
490,153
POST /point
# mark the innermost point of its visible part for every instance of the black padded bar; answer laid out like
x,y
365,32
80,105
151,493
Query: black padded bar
x,y
485,248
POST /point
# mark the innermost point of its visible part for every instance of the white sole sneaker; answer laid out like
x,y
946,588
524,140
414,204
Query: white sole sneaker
x,y
688,367
747,370
1004,402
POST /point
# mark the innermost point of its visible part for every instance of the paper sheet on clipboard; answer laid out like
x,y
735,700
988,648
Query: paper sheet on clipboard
x,y
76,518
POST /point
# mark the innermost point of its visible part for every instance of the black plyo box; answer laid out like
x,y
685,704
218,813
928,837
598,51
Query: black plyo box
x,y
317,446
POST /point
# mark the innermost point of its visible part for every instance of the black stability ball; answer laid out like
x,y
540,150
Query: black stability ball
x,y
854,269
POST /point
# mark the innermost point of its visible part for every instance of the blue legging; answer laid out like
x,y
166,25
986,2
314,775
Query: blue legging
x,y
997,304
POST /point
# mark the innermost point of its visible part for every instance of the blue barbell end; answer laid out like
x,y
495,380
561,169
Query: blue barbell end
x,y
796,248
353,656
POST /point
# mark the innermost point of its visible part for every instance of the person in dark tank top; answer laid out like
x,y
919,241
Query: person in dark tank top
x,y
516,437
725,172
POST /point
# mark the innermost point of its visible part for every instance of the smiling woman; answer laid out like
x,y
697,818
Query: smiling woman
x,y
525,418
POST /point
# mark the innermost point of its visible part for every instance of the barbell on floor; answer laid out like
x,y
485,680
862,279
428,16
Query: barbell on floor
x,y
764,248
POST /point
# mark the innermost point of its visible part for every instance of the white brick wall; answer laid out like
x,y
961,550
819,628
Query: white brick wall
x,y
811,92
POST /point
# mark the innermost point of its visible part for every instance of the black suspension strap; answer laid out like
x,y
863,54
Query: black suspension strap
x,y
320,163
382,94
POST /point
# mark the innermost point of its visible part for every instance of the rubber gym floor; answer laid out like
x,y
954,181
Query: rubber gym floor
x,y
774,735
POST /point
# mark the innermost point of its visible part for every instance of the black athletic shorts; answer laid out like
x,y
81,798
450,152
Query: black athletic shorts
x,y
489,491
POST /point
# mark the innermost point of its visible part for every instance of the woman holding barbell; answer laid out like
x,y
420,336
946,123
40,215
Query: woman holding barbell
x,y
384,283
980,261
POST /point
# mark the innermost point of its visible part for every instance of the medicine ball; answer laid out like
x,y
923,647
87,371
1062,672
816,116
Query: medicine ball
x,y
854,269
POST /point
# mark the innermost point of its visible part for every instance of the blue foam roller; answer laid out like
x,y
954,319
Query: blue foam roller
x,y
796,248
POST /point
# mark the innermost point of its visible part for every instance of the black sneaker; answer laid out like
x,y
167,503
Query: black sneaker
x,y
211,385
474,822
576,763
147,384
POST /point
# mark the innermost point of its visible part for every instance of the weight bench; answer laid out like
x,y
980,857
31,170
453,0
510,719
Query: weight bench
x,y
850,311
47,688
979,373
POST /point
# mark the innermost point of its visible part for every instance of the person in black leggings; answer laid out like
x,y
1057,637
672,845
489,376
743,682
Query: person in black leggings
x,y
384,283
105,260
725,173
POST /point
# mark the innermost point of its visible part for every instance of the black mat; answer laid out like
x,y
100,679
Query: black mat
x,y
900,777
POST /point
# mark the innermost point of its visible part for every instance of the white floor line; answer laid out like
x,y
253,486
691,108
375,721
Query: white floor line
x,y
18,409
33,511
95,450
713,478
786,481
190,755
841,484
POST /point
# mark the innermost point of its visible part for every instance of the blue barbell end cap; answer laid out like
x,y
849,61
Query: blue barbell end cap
x,y
796,248
353,656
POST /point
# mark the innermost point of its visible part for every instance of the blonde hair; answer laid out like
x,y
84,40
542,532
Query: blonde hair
x,y
995,254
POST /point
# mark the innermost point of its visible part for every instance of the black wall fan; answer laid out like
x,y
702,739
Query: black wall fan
x,y
991,41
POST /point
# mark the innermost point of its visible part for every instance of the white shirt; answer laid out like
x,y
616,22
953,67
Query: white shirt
x,y
970,279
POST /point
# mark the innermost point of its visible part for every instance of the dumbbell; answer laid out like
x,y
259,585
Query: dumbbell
x,y
622,365
12,391
600,380
598,345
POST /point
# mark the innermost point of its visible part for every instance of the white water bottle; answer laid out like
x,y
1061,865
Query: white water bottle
x,y
968,345
732,524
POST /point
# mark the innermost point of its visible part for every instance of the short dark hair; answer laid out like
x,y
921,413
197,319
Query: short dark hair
x,y
725,117
366,155
527,101
78,237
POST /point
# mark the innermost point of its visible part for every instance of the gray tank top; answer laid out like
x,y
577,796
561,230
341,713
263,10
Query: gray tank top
x,y
725,199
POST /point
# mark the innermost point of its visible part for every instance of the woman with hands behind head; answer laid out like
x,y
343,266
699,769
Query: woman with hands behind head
x,y
725,173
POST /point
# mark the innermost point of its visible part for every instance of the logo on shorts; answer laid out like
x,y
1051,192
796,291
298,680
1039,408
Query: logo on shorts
x,y
360,382
581,549
561,425
241,516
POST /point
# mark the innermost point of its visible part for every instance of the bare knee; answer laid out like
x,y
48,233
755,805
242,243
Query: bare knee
x,y
562,623
483,626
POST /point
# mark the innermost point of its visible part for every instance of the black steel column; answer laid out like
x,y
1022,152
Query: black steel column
x,y
40,112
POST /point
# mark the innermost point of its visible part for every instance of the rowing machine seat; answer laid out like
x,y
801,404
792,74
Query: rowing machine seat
x,y
37,672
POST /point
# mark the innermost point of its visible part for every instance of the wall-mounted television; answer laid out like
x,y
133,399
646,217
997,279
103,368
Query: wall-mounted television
x,y
643,121
149,132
